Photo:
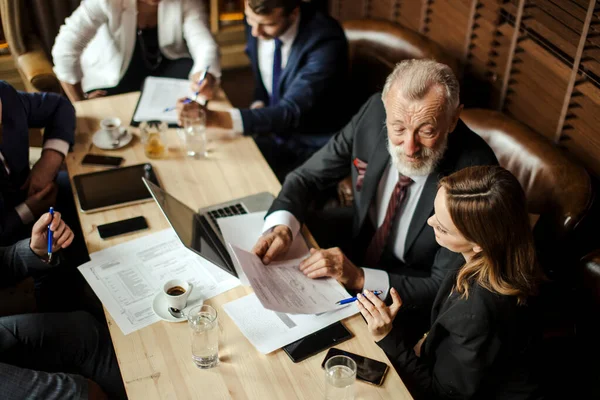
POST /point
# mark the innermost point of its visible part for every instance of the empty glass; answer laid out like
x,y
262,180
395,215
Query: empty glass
x,y
153,135
205,336
340,375
194,135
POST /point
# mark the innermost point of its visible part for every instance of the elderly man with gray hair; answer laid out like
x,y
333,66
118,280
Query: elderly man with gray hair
x,y
397,147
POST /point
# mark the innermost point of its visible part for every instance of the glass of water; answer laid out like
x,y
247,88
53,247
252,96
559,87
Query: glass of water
x,y
194,135
205,336
340,375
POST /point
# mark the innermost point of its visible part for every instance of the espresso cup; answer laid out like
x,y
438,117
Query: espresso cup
x,y
177,291
112,126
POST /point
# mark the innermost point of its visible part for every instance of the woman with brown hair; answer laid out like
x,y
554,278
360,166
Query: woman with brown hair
x,y
481,343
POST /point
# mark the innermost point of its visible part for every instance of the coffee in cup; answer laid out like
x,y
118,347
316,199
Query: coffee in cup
x,y
177,291
112,126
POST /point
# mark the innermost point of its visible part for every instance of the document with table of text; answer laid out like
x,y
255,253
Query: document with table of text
x,y
127,277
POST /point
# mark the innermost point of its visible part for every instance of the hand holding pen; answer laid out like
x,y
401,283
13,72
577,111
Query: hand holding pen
x,y
196,93
50,234
353,299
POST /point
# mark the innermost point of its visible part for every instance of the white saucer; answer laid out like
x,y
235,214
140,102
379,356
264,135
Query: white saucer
x,y
159,305
103,140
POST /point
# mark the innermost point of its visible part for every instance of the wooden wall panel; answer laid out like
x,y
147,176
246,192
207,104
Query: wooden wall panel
x,y
549,79
447,24
537,89
410,13
383,9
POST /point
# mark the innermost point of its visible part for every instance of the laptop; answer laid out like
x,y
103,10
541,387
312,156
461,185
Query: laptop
x,y
199,231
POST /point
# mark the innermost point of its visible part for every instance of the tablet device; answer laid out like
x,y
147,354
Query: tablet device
x,y
316,342
118,187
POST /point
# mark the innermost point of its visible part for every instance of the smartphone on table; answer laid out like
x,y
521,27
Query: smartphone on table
x,y
367,369
99,159
316,342
121,227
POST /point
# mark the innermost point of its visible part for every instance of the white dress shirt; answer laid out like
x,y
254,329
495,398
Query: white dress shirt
x,y
375,279
266,53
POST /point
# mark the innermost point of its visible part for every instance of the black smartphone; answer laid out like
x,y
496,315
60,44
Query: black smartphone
x,y
121,227
367,369
316,342
98,159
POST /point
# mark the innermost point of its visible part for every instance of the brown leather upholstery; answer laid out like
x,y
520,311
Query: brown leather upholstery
x,y
377,46
30,28
557,189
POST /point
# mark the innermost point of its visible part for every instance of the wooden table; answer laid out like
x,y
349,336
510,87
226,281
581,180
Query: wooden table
x,y
156,361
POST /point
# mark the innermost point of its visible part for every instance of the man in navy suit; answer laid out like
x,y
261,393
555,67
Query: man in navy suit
x,y
299,58
26,194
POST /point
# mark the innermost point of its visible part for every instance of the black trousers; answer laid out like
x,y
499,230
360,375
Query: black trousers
x,y
50,356
137,72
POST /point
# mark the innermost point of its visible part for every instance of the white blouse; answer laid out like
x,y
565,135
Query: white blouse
x,y
96,43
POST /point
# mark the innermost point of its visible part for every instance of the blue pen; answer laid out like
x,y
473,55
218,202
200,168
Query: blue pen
x,y
351,299
186,101
51,211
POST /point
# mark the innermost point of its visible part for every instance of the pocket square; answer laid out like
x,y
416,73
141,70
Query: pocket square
x,y
361,168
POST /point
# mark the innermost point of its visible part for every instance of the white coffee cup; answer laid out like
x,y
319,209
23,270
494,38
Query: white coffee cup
x,y
112,126
172,291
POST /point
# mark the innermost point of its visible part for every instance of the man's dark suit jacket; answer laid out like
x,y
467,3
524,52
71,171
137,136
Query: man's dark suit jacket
x,y
312,85
365,137
482,347
21,111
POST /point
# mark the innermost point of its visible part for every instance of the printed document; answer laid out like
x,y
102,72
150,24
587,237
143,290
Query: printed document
x,y
127,277
281,286
159,94
244,230
269,330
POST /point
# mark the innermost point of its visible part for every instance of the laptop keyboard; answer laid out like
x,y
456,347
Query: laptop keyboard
x,y
235,209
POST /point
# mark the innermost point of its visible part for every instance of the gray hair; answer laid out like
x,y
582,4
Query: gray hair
x,y
417,77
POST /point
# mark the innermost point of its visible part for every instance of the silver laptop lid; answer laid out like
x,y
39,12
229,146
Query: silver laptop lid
x,y
191,228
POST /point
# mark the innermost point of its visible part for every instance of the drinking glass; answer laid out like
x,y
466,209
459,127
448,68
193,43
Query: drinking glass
x,y
340,375
194,135
205,336
154,135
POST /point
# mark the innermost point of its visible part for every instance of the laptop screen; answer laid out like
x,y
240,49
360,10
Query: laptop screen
x,y
195,233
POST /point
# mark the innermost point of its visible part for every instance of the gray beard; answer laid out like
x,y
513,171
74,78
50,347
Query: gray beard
x,y
429,159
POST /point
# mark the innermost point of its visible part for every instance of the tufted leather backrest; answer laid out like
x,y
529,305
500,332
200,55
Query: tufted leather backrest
x,y
557,189
377,46
38,18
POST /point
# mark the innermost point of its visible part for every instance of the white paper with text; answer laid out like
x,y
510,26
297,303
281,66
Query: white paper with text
x,y
127,277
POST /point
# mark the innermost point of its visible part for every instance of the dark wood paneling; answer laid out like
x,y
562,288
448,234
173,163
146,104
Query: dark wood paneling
x,y
551,73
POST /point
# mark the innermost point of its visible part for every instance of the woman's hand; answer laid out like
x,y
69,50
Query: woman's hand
x,y
207,87
379,316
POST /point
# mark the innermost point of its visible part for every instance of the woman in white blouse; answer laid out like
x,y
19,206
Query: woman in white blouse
x,y
109,47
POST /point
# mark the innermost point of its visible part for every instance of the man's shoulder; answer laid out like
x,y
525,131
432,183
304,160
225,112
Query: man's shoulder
x,y
470,148
320,25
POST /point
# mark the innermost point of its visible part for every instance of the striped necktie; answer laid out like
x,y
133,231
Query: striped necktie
x,y
382,234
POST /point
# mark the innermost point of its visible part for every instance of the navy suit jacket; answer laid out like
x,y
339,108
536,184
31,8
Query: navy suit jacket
x,y
311,89
21,111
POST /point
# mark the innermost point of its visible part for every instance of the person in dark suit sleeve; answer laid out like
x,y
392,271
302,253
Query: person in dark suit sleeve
x,y
299,59
484,336
52,355
25,194
411,130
